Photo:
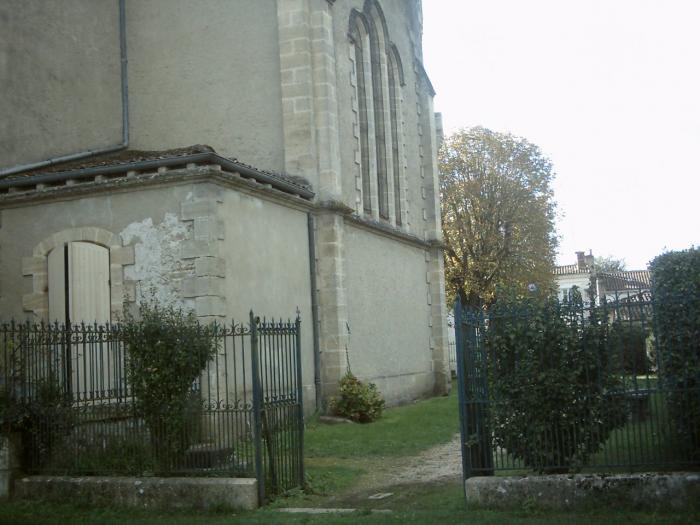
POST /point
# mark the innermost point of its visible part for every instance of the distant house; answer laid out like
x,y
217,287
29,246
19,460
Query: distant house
x,y
622,285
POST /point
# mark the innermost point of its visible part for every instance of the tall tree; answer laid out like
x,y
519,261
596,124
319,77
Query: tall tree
x,y
498,214
609,264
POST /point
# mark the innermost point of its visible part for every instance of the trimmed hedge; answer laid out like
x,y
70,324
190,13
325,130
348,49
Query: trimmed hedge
x,y
676,293
552,381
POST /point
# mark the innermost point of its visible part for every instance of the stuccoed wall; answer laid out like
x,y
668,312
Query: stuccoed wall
x,y
388,314
266,253
206,72
60,70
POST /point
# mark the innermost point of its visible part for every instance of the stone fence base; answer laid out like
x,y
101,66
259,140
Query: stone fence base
x,y
640,491
152,493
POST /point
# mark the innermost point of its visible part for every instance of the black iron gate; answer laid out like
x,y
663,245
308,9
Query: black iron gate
x,y
554,387
66,389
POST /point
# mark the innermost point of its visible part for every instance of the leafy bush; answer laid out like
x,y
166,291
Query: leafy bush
x,y
167,351
676,293
42,419
551,380
357,401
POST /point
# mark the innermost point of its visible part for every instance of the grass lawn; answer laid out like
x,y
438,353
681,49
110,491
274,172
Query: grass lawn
x,y
340,458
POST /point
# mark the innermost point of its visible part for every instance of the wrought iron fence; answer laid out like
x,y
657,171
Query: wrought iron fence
x,y
67,390
564,387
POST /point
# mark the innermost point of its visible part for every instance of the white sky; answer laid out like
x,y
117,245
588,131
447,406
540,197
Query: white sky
x,y
610,92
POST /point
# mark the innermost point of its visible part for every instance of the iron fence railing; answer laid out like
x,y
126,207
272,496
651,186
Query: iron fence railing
x,y
596,399
66,389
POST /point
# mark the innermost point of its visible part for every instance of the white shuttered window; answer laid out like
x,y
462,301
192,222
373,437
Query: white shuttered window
x,y
79,283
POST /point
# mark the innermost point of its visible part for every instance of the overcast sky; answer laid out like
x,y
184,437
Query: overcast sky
x,y
610,92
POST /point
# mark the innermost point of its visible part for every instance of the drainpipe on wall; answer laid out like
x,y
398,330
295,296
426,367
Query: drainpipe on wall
x,y
125,113
314,310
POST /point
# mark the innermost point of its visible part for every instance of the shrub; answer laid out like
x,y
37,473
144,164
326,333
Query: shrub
x,y
42,419
358,401
551,380
167,351
676,293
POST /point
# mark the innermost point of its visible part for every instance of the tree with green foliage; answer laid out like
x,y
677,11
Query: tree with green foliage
x,y
167,351
609,264
498,214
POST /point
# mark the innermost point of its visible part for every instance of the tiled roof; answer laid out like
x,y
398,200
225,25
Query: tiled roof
x,y
626,280
570,269
114,164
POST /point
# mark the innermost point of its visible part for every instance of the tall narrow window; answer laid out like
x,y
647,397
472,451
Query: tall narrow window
x,y
393,110
362,117
379,116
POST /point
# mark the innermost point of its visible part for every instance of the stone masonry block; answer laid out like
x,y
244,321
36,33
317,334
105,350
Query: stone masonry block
x,y
192,249
202,286
40,282
35,301
206,228
193,209
31,265
210,306
122,255
210,266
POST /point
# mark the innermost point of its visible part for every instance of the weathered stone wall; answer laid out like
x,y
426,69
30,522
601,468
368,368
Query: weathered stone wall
x,y
149,493
650,491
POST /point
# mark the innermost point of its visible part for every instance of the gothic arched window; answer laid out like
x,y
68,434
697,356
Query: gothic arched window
x,y
379,79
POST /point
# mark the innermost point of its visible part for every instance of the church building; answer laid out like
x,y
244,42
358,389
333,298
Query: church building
x,y
231,155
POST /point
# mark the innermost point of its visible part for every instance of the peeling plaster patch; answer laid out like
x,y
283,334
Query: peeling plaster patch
x,y
157,262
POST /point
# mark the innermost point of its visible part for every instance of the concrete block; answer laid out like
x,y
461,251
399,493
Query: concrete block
x,y
640,491
152,493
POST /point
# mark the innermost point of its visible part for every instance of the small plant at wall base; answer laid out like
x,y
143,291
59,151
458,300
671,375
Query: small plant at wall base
x,y
167,351
357,401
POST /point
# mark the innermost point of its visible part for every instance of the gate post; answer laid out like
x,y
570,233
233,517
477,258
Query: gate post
x,y
466,467
300,400
257,408
476,444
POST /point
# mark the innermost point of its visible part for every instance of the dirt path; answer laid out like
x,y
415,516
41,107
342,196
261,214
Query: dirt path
x,y
440,463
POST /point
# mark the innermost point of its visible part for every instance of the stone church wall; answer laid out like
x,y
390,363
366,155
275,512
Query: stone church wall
x,y
388,314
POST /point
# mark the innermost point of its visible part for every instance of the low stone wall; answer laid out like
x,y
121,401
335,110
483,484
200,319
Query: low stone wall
x,y
641,491
152,493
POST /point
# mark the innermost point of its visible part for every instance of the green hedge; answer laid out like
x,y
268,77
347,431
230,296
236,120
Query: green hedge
x,y
676,293
552,381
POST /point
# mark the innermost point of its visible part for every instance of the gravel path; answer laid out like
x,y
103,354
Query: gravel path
x,y
440,463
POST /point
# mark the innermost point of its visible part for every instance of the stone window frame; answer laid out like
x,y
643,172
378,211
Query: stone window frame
x,y
377,80
37,267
